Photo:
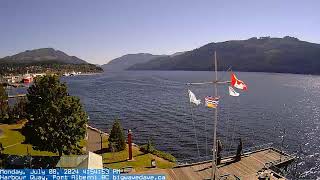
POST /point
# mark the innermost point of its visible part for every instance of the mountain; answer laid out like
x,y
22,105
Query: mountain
x,y
128,60
46,60
264,54
46,55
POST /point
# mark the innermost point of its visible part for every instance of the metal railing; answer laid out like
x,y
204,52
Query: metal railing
x,y
256,148
224,154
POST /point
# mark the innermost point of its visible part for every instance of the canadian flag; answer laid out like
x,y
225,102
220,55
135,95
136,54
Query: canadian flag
x,y
235,82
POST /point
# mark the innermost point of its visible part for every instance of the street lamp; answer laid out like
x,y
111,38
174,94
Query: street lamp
x,y
101,140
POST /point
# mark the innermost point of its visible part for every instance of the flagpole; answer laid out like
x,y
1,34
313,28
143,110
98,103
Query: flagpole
x,y
214,154
240,85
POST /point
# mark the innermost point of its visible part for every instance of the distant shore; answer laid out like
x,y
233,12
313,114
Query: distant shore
x,y
89,74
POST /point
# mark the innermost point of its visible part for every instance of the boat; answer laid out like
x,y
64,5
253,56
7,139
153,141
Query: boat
x,y
66,74
27,78
73,73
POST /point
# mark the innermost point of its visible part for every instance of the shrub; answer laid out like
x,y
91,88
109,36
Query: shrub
x,y
149,148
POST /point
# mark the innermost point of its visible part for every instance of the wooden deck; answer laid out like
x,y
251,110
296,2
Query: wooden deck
x,y
249,167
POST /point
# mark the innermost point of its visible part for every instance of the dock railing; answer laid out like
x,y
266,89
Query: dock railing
x,y
257,148
230,154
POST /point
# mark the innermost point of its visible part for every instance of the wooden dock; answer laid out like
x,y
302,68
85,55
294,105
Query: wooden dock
x,y
251,166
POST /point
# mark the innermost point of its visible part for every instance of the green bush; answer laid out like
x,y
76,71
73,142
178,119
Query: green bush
x,y
164,155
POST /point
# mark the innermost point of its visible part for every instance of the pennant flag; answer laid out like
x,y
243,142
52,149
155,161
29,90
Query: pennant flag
x,y
193,98
232,92
235,82
212,102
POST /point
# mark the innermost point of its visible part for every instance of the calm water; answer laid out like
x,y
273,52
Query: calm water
x,y
155,105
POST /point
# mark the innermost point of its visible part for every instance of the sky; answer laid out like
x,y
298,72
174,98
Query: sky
x,y
101,30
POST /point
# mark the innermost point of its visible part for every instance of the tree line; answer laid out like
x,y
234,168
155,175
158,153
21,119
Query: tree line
x,y
47,67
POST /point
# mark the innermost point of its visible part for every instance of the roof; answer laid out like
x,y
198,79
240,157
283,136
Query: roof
x,y
90,161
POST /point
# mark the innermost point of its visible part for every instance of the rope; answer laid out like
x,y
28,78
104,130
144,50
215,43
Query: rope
x,y
205,121
206,133
194,126
223,76
228,129
233,132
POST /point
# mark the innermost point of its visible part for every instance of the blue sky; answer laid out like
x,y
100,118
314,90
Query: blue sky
x,y
99,31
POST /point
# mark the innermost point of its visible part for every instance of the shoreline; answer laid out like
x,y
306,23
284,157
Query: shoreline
x,y
90,74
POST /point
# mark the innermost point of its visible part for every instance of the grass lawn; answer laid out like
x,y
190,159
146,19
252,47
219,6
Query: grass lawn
x,y
141,161
11,140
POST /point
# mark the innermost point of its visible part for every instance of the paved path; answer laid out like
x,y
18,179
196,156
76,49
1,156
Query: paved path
x,y
94,139
11,145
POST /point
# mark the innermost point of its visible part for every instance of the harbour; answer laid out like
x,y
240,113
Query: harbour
x,y
256,119
230,126
160,90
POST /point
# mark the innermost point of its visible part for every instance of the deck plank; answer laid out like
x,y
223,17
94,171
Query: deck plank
x,y
246,168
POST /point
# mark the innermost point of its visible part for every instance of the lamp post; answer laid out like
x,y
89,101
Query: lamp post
x,y
130,144
101,140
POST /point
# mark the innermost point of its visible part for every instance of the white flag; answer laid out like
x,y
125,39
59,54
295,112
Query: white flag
x,y
232,92
193,98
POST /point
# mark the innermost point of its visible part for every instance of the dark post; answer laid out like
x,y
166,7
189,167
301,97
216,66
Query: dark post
x,y
219,149
101,141
130,144
239,150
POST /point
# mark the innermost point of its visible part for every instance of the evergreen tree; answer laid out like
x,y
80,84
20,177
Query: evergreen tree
x,y
3,104
20,108
150,146
57,121
117,138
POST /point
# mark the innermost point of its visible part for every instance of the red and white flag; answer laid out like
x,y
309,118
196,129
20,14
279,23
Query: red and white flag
x,y
235,82
232,92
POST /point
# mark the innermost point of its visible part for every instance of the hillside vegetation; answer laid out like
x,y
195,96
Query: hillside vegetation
x,y
283,55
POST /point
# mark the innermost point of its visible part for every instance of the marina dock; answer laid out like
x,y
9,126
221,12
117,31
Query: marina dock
x,y
252,165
